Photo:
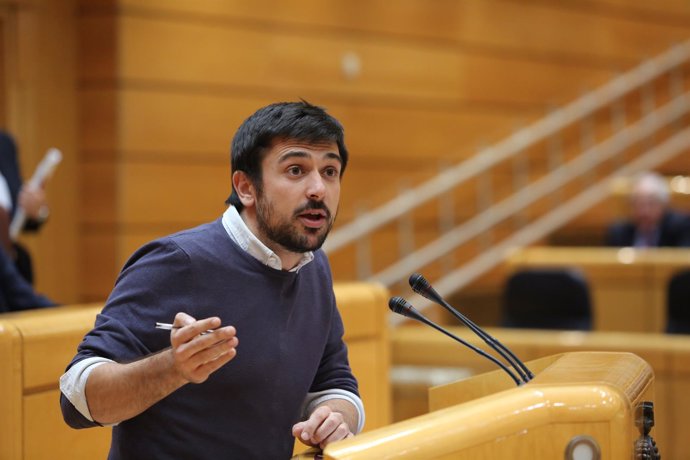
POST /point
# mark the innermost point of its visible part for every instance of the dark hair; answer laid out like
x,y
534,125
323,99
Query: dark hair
x,y
300,121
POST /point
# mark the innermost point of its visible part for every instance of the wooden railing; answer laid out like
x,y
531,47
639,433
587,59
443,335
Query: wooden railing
x,y
542,198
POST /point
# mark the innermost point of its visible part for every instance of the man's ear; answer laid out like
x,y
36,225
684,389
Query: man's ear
x,y
244,188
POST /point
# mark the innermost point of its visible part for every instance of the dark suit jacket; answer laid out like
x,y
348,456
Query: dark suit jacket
x,y
9,168
15,292
674,231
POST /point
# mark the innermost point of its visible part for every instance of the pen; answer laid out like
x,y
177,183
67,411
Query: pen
x,y
170,327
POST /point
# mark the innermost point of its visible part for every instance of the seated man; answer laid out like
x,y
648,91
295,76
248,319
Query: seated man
x,y
16,292
652,223
14,194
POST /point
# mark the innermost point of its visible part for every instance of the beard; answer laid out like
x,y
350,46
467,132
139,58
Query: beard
x,y
286,231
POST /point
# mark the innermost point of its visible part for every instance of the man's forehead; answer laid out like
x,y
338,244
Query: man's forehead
x,y
321,143
645,198
286,146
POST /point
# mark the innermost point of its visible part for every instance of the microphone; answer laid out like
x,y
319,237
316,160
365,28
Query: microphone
x,y
421,286
403,307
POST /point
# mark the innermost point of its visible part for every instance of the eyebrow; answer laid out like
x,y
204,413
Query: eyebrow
x,y
302,154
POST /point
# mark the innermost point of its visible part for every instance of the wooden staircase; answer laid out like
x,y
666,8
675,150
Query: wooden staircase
x,y
460,225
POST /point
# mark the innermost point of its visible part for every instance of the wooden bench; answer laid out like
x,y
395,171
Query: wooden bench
x,y
628,287
36,346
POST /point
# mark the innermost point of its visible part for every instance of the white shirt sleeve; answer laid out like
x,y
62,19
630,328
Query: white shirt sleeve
x,y
313,400
73,384
5,197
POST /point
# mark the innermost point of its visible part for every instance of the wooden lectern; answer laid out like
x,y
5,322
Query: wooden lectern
x,y
591,405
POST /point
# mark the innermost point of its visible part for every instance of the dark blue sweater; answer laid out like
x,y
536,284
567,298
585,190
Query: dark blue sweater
x,y
290,336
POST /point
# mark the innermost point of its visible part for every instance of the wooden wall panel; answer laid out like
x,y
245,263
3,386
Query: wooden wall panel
x,y
172,125
375,133
671,11
99,201
223,58
164,85
99,264
98,48
98,123
624,33
231,56
181,125
156,193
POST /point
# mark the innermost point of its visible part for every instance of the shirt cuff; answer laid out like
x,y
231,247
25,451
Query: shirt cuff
x,y
313,400
73,384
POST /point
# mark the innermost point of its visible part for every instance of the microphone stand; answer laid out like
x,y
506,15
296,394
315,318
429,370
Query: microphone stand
x,y
404,308
421,286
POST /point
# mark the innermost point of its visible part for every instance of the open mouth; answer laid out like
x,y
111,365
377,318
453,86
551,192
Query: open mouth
x,y
313,218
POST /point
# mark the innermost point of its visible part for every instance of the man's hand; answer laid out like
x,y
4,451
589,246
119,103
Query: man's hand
x,y
199,348
117,392
323,427
32,200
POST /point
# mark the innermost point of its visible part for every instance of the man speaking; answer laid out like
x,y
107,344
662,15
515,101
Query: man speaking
x,y
254,356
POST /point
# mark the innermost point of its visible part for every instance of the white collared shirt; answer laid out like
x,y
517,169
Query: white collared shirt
x,y
5,196
240,234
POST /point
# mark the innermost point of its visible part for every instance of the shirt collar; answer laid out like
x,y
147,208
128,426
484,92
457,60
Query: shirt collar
x,y
240,234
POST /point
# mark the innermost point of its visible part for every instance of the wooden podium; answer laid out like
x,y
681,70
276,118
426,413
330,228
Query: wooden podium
x,y
582,403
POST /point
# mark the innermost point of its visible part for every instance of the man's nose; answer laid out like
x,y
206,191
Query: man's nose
x,y
316,188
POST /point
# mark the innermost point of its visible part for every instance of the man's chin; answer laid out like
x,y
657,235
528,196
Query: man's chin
x,y
315,245
307,243
316,240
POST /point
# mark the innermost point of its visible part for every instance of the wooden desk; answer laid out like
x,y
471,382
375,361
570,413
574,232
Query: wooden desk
x,y
573,395
669,357
628,286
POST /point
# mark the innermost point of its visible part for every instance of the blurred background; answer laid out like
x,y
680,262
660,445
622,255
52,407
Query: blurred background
x,y
143,98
